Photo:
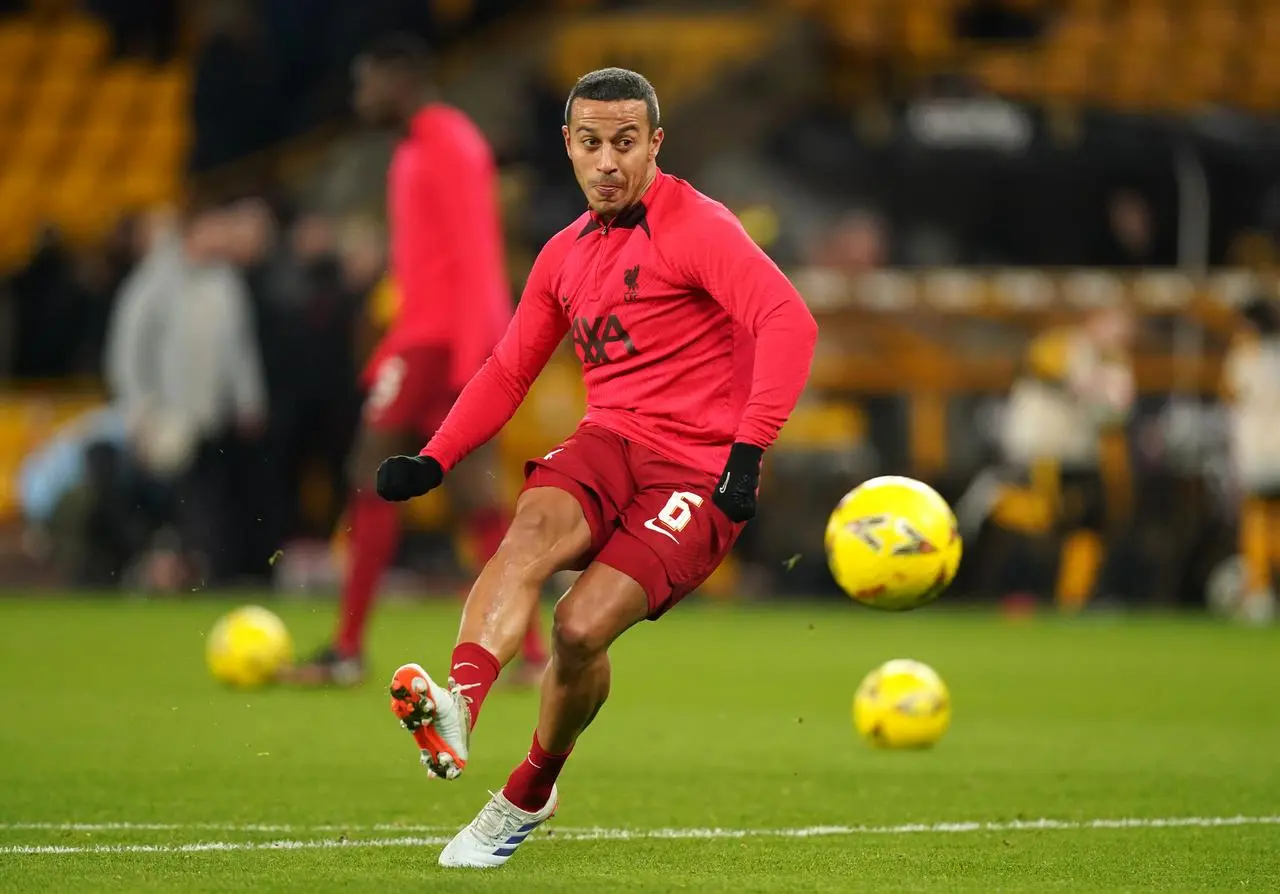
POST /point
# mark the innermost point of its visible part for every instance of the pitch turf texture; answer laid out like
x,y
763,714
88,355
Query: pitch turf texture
x,y
1105,754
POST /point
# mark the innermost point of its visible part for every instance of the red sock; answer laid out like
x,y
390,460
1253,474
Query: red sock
x,y
488,527
474,668
375,534
529,785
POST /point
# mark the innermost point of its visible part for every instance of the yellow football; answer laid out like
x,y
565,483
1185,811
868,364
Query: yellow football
x,y
892,543
902,704
248,647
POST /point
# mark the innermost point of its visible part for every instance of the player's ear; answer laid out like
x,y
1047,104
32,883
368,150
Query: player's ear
x,y
564,130
655,142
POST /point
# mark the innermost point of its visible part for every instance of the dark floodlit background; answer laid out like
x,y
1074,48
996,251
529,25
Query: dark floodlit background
x,y
946,180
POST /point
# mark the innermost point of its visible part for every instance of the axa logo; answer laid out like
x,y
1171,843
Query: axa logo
x,y
631,279
593,337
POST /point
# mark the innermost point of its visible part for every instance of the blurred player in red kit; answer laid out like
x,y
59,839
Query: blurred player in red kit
x,y
694,350
455,303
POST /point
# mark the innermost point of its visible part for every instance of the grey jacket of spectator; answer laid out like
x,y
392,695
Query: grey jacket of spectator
x,y
181,344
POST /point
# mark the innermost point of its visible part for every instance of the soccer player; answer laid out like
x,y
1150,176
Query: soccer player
x,y
1251,387
1064,434
455,303
694,350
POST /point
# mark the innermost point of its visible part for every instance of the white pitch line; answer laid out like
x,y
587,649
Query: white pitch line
x,y
602,834
278,828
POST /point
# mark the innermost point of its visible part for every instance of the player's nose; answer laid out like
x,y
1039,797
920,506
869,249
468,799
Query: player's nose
x,y
606,163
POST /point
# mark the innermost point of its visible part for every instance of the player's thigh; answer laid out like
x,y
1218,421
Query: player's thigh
x,y
592,467
548,533
407,399
600,606
670,540
476,482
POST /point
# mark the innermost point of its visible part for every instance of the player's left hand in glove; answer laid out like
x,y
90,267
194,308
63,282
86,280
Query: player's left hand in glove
x,y
402,478
735,493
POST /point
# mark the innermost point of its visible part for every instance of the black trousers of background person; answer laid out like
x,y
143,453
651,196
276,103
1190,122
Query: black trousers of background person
x,y
209,509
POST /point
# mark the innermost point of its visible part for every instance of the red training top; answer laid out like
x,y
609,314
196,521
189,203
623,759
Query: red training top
x,y
446,242
690,337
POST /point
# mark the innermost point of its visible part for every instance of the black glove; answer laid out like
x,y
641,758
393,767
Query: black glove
x,y
405,477
736,492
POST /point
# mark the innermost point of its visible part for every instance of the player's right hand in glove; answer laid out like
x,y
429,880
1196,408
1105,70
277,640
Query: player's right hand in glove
x,y
402,478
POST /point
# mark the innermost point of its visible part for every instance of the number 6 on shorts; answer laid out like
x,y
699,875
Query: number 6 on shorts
x,y
677,514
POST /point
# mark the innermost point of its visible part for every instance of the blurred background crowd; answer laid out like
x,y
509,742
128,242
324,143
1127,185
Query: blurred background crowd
x,y
1039,237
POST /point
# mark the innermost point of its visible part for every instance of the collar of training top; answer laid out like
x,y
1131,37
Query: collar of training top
x,y
629,218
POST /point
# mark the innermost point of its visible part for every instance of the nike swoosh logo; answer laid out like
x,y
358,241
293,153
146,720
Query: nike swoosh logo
x,y
468,686
724,485
465,664
652,525
554,452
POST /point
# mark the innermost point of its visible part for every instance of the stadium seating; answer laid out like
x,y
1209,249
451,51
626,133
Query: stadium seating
x,y
69,116
678,51
1110,54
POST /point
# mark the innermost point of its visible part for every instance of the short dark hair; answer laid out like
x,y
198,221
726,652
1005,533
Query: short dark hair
x,y
401,49
613,85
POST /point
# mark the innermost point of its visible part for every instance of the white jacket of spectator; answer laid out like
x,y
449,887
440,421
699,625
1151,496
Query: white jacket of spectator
x,y
182,359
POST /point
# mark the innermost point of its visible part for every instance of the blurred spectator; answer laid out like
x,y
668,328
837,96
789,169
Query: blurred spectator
x,y
84,502
234,91
1130,239
183,365
1251,386
47,310
857,243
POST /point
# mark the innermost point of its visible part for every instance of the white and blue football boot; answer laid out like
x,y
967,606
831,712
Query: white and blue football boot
x,y
495,834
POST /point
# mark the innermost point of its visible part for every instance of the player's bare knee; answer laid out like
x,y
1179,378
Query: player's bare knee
x,y
577,634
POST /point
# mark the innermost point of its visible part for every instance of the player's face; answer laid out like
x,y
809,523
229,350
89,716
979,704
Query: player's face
x,y
614,151
374,94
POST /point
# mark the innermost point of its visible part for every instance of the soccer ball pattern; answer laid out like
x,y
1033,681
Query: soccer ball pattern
x,y
248,647
902,704
892,543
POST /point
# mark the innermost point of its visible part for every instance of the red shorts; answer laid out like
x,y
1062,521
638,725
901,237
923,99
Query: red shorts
x,y
651,518
408,389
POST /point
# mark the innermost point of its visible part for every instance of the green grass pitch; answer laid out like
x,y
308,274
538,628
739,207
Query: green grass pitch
x,y
725,760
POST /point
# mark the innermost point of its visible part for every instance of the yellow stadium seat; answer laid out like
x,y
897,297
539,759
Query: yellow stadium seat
x,y
1068,76
1199,78
100,139
162,146
147,186
168,93
1212,24
1014,73
118,88
926,31
1136,81
19,45
857,25
36,144
822,426
56,97
76,44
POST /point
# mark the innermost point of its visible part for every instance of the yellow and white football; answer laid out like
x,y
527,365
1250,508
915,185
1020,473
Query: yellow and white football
x,y
892,543
902,704
248,647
